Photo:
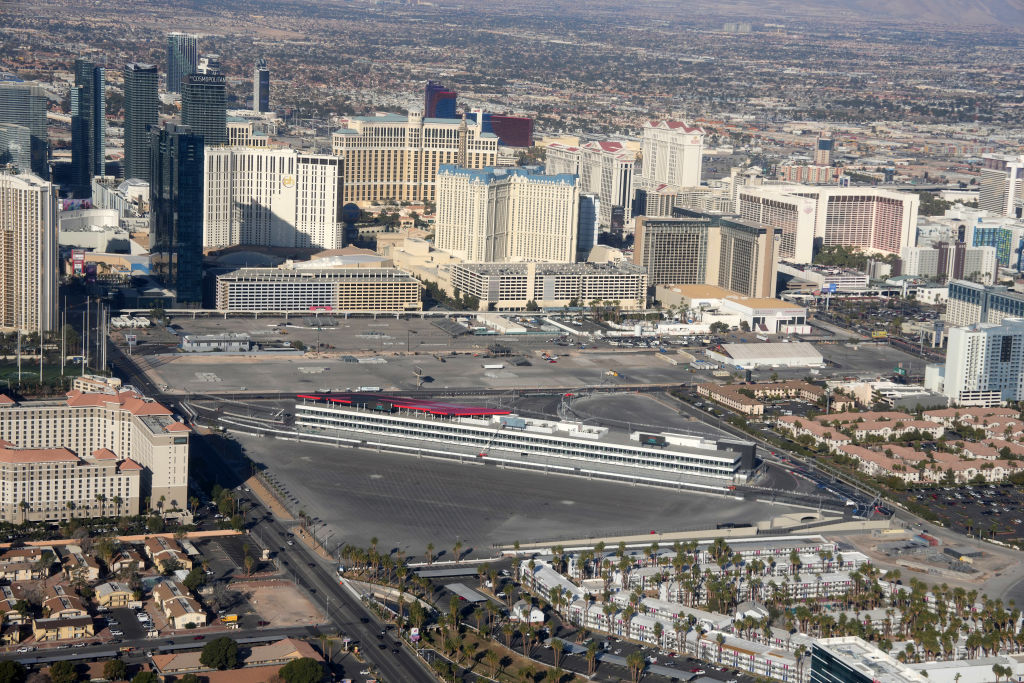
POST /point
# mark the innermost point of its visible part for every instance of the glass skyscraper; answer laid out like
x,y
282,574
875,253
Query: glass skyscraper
x,y
141,111
176,211
438,101
182,55
204,107
23,118
261,86
88,125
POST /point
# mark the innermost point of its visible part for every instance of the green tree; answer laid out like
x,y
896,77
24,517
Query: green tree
x,y
146,677
155,524
189,678
115,670
195,578
719,328
304,670
63,672
12,671
221,653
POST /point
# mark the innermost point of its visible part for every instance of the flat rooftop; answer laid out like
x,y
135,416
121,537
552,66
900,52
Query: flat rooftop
x,y
585,268
438,408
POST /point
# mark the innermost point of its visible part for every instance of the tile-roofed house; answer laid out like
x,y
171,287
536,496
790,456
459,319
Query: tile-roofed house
x,y
62,628
173,599
114,594
281,652
10,596
77,563
125,559
878,463
161,550
262,662
62,602
25,564
182,611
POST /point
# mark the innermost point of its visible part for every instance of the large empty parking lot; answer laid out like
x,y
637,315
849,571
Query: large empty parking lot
x,y
407,502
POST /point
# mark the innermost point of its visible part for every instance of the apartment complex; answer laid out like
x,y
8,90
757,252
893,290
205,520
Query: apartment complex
x,y
970,302
507,215
985,363
672,154
90,443
28,254
397,157
1001,184
945,261
606,169
700,248
873,220
510,286
358,290
271,197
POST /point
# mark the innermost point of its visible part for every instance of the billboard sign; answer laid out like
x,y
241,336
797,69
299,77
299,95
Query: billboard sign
x,y
414,634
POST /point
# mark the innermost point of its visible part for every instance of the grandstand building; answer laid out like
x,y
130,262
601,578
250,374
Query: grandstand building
x,y
429,427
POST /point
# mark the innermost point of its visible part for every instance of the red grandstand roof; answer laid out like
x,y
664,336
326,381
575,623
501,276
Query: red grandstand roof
x,y
419,404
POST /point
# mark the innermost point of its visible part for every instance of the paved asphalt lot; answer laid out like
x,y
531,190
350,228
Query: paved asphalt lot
x,y
986,509
408,502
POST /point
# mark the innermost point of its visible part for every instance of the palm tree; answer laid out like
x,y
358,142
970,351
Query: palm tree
x,y
635,662
430,553
102,499
720,640
457,548
591,657
493,659
117,500
557,646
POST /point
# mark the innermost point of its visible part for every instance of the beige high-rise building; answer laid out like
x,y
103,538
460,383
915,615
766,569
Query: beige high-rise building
x,y
874,220
672,154
606,169
121,429
507,215
28,254
389,156
271,198
699,248
1001,184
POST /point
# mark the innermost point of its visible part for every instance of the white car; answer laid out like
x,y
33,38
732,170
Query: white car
x,y
142,616
117,634
24,648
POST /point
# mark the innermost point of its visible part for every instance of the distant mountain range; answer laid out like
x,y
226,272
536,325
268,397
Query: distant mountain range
x,y
1009,13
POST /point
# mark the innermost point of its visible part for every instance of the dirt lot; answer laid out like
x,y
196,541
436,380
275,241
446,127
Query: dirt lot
x,y
282,605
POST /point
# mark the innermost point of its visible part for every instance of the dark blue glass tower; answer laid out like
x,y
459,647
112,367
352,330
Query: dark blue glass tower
x,y
176,211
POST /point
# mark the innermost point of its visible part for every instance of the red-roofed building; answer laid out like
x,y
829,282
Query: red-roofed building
x,y
92,447
672,154
606,169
